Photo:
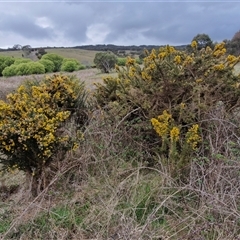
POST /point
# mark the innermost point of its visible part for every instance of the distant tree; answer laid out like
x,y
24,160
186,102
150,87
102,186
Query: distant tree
x,y
142,55
26,50
233,46
105,61
17,47
40,53
203,40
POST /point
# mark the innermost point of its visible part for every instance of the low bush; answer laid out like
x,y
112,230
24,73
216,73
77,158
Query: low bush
x,y
48,65
121,61
70,65
5,61
10,71
32,124
56,59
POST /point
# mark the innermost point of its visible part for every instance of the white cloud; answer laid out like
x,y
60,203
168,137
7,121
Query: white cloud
x,y
97,33
44,22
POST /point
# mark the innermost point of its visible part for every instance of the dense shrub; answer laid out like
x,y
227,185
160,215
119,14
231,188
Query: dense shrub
x,y
48,65
22,69
70,65
182,89
22,60
56,59
36,68
5,61
10,71
32,124
121,61
29,68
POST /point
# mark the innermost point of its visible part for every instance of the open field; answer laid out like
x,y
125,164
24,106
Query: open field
x,y
85,57
89,76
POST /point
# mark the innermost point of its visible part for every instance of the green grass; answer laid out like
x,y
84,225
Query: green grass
x,y
85,57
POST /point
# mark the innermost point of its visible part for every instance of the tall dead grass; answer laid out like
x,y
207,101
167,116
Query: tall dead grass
x,y
108,190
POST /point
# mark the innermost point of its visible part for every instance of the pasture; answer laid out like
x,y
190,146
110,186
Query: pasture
x,y
85,57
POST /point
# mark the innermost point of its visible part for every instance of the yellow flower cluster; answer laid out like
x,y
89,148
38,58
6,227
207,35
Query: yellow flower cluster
x,y
132,71
174,134
170,49
208,50
177,59
193,44
146,76
219,67
30,119
153,56
231,59
130,62
161,124
188,61
192,136
162,55
199,80
219,50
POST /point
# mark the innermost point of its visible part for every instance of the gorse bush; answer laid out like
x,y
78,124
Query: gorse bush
x,y
32,123
188,86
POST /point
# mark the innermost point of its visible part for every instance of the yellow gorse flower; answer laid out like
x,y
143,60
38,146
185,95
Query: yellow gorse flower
x,y
174,134
192,136
219,67
177,59
161,124
193,44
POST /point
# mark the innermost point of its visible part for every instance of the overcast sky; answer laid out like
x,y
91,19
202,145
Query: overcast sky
x,y
74,23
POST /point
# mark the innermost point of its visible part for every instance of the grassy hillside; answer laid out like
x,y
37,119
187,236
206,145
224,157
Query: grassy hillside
x,y
83,56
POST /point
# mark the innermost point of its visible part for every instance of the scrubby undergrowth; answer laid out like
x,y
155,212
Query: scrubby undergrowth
x,y
129,181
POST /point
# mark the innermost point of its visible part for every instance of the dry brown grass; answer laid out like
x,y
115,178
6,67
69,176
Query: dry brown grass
x,y
89,76
111,193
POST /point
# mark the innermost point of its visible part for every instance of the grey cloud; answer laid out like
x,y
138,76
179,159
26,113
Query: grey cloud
x,y
24,26
123,22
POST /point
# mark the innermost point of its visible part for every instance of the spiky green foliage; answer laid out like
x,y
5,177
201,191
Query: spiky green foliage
x,y
187,85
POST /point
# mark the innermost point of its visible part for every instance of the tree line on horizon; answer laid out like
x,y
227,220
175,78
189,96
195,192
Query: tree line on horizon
x,y
233,46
